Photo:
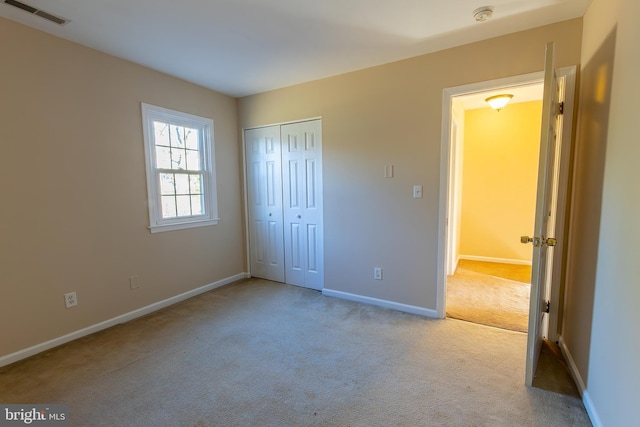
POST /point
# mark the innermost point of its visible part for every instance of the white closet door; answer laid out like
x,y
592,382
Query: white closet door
x,y
264,202
302,199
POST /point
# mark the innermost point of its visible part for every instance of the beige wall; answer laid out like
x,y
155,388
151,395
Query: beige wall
x,y
603,289
392,114
74,212
500,171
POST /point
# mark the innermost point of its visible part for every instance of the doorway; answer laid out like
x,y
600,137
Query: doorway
x,y
449,202
493,182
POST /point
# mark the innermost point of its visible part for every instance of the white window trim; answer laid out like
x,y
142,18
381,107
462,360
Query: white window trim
x,y
210,217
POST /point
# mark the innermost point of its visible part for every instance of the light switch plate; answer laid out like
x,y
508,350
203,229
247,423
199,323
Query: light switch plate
x,y
417,191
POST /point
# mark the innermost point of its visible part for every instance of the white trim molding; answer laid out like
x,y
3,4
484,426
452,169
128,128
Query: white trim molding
x,y
192,179
39,348
420,311
575,373
498,260
573,368
445,164
290,122
448,94
591,410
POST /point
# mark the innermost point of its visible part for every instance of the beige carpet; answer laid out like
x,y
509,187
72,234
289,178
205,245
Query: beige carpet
x,y
479,292
257,353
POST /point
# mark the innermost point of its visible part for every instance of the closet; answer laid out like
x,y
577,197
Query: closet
x,y
284,202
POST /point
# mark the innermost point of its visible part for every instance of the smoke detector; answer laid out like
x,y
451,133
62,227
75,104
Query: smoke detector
x,y
483,13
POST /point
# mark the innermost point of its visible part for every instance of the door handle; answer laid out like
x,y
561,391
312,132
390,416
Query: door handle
x,y
539,241
527,239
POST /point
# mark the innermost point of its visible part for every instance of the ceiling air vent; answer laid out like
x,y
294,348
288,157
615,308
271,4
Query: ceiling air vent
x,y
35,11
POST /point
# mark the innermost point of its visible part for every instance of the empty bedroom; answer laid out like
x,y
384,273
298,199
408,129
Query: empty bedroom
x,y
234,213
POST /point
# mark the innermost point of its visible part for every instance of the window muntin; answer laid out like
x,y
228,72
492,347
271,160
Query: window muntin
x,y
180,169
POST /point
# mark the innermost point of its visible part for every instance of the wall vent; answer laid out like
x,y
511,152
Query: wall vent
x,y
39,12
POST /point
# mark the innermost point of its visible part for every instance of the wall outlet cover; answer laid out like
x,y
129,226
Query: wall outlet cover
x,y
70,299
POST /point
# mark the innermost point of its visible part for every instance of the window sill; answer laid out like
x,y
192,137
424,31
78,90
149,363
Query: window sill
x,y
182,225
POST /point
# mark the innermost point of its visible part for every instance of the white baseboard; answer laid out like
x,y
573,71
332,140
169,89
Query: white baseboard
x,y
591,409
586,397
421,311
573,368
38,348
500,260
454,266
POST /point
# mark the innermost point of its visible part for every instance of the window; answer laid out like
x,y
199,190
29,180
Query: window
x,y
179,154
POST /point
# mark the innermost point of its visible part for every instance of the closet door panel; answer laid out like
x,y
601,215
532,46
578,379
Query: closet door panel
x,y
302,162
264,203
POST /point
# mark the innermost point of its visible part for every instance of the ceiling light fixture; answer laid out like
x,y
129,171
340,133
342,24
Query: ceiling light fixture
x,y
483,13
498,102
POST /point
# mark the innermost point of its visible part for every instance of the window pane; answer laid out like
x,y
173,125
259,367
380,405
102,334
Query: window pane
x,y
177,136
167,184
163,158
161,133
178,159
182,183
192,138
184,205
178,152
193,160
168,207
196,184
196,205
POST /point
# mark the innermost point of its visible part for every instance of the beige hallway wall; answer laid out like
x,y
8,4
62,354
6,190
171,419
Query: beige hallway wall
x,y
74,203
500,172
392,114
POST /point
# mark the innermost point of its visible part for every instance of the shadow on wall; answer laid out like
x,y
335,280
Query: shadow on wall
x,y
591,144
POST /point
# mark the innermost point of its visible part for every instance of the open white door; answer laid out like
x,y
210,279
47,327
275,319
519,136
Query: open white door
x,y
541,240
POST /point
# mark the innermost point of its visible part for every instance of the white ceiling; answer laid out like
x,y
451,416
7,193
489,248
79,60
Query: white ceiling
x,y
242,47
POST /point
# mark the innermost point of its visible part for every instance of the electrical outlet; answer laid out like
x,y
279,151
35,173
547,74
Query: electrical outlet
x,y
70,299
133,282
377,273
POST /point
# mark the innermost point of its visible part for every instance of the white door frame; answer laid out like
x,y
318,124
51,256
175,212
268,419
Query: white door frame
x,y
446,188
